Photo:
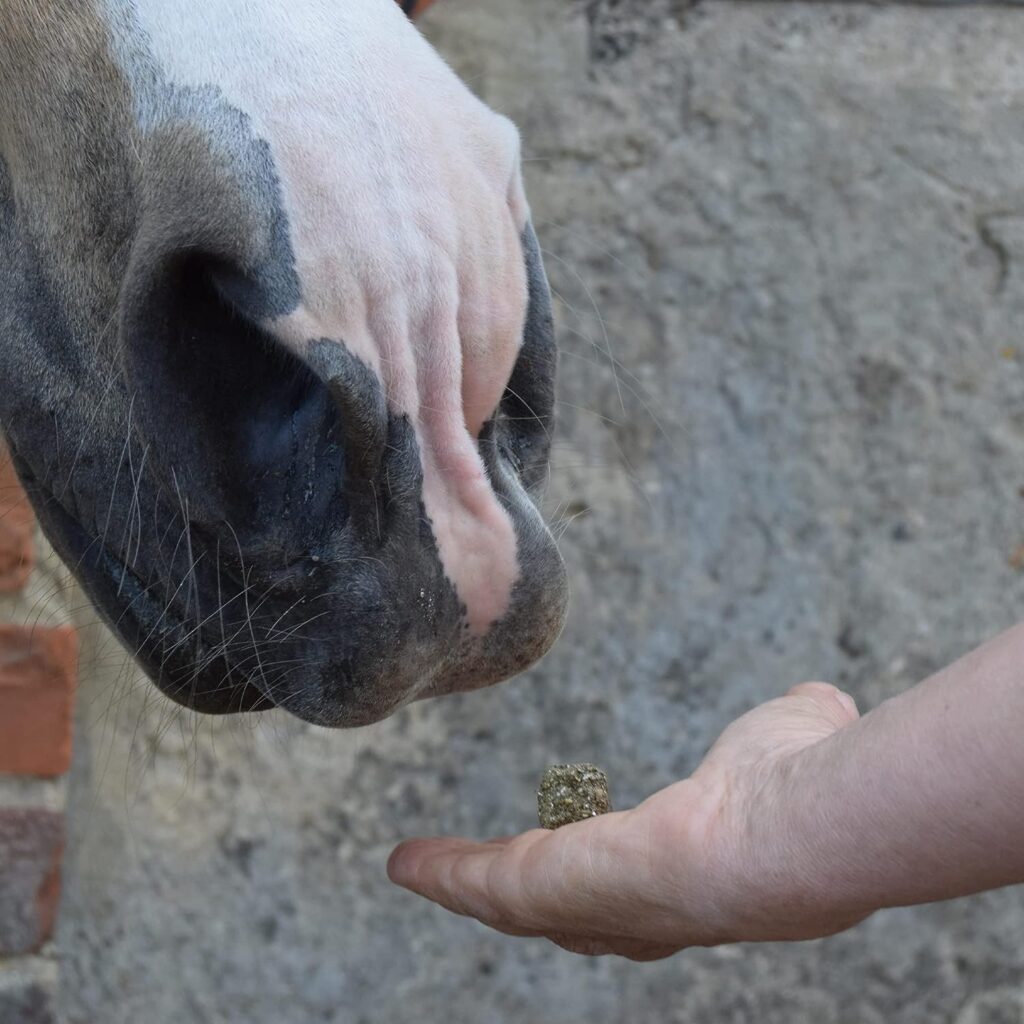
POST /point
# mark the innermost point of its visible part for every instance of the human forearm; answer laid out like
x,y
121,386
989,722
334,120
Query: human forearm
x,y
921,799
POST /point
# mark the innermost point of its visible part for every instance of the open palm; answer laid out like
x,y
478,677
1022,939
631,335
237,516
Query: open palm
x,y
681,869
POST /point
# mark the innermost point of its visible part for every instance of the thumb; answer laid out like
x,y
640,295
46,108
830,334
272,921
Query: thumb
x,y
808,713
827,701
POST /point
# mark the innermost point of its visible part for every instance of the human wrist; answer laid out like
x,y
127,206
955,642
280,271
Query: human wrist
x,y
786,855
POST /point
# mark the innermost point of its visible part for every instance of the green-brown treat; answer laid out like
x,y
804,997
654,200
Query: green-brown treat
x,y
572,792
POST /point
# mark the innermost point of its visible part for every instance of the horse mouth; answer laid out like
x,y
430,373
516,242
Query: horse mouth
x,y
333,644
223,654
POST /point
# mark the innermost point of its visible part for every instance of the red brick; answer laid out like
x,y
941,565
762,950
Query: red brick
x,y
17,554
31,845
37,683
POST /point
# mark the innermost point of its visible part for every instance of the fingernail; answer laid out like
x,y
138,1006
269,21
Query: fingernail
x,y
848,704
394,867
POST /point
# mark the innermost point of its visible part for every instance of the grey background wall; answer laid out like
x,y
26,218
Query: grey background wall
x,y
788,246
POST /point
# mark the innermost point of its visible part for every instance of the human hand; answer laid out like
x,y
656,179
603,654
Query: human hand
x,y
697,864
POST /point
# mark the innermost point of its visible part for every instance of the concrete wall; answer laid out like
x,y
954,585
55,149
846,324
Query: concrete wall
x,y
788,243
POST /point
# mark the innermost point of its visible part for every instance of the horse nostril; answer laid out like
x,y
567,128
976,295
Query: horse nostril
x,y
359,401
253,428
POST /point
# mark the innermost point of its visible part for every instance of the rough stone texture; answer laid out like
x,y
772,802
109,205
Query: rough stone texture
x,y
17,554
31,841
38,671
571,792
788,242
27,991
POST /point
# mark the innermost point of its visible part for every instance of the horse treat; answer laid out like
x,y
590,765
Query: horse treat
x,y
572,792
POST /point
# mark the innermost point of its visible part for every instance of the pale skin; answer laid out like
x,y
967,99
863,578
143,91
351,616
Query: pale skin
x,y
803,819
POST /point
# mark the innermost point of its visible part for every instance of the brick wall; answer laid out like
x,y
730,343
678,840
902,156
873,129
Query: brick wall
x,y
38,664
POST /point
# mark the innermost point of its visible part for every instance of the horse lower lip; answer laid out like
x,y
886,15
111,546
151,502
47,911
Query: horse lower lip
x,y
89,553
144,623
190,668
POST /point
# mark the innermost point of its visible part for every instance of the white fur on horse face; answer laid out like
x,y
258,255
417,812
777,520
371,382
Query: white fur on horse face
x,y
405,209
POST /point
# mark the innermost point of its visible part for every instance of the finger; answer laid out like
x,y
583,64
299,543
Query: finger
x,y
828,697
416,864
408,852
466,877
452,872
411,856
588,878
427,867
415,861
